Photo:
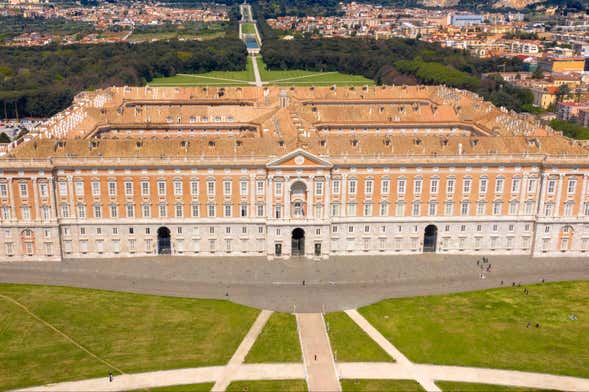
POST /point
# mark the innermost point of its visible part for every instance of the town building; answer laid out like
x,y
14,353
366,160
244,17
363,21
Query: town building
x,y
291,171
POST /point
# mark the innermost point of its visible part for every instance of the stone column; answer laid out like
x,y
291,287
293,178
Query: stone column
x,y
310,193
11,199
252,196
556,211
522,195
343,198
327,193
582,198
269,212
36,199
542,189
287,205
71,199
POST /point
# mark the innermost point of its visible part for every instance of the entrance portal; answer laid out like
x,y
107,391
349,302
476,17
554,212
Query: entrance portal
x,y
164,241
298,242
430,238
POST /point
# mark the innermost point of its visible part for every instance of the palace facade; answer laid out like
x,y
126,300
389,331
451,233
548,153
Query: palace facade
x,y
291,171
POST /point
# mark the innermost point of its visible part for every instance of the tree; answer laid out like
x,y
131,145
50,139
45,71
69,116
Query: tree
x,y
538,74
562,92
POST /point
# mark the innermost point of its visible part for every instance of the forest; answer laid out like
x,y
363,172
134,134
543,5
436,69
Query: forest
x,y
40,81
400,61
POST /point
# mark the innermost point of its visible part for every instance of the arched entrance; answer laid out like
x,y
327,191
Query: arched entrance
x,y
298,242
164,241
430,238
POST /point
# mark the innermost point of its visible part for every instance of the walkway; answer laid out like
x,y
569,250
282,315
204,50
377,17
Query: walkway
x,y
317,354
256,71
239,356
336,284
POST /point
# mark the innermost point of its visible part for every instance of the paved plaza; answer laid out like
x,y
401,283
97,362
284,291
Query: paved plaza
x,y
339,283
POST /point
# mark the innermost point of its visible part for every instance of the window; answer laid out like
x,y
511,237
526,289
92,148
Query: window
x,y
466,185
227,210
260,210
483,185
571,186
450,185
278,188
260,187
43,189
449,208
78,186
548,209
65,211
278,211
163,210
178,188
194,187
211,187
368,187
568,208
3,190
415,211
112,188
497,206
352,186
95,186
532,185
62,188
130,207
211,210
384,208
335,187
195,210
481,207
434,185
586,208
146,210
128,188
319,188
243,210
26,212
81,211
351,209
97,211
401,185
433,208
551,186
243,188
179,210
515,185
513,207
385,186
368,209
45,213
227,187
400,209
529,207
464,208
335,209
499,184
318,210
144,188
417,185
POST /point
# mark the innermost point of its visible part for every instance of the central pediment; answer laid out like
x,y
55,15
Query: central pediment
x,y
298,159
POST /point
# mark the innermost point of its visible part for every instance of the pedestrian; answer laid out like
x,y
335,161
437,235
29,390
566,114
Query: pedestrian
x,y
478,262
109,376
537,325
315,356
528,325
303,282
542,280
501,283
227,294
512,284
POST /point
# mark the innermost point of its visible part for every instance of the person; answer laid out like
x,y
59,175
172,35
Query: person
x,y
315,356
303,282
109,376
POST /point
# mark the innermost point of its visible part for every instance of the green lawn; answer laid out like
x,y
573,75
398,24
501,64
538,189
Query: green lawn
x,y
300,77
380,385
278,342
248,28
450,386
132,332
214,78
206,387
489,328
268,386
350,343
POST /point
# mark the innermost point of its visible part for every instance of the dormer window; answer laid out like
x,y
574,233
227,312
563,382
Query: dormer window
x,y
322,143
184,143
211,143
281,143
354,142
417,141
387,142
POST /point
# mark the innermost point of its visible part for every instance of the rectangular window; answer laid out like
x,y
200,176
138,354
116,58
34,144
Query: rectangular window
x,y
81,211
586,208
335,210
499,182
3,190
195,211
513,207
385,186
178,189
400,209
401,185
278,188
278,211
571,186
179,210
43,189
551,186
433,209
26,213
548,209
65,211
163,210
352,187
384,209
532,185
211,187
515,185
130,210
417,185
416,209
243,188
568,209
112,188
144,188
227,210
227,188
449,209
464,208
335,187
260,187
483,185
497,207
79,187
146,210
97,211
368,187
481,206
243,210
450,185
352,209
368,209
128,188
260,210
62,188
194,187
434,185
95,188
211,210
466,185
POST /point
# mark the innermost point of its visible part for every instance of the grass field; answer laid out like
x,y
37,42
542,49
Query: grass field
x,y
248,28
449,386
268,386
301,77
380,385
278,342
350,343
132,332
489,328
167,35
214,78
206,387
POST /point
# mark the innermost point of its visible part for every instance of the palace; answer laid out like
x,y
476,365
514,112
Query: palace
x,y
291,171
